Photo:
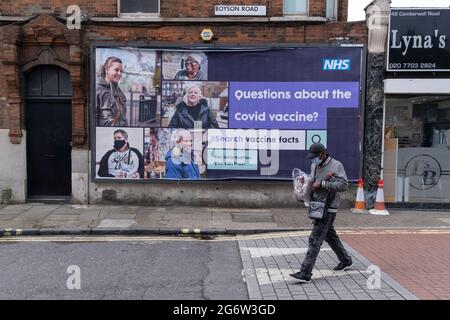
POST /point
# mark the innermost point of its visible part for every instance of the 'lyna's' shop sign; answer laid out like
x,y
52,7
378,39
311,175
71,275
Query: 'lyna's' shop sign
x,y
419,40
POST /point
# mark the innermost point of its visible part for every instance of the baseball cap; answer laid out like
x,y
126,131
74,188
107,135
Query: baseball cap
x,y
315,149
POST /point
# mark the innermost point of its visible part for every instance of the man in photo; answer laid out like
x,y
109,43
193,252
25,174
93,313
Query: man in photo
x,y
180,162
122,162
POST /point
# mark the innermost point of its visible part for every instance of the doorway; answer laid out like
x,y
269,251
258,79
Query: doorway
x,y
48,122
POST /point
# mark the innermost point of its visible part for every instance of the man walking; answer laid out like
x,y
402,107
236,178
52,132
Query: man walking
x,y
329,179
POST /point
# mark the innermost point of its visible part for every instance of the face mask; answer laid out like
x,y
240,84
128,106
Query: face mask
x,y
316,161
118,144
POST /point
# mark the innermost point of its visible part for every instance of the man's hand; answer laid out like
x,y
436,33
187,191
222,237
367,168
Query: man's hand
x,y
316,185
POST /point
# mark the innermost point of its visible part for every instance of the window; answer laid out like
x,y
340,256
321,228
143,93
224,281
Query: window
x,y
332,9
295,6
138,7
417,149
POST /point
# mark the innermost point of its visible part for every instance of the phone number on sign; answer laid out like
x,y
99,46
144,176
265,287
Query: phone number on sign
x,y
410,65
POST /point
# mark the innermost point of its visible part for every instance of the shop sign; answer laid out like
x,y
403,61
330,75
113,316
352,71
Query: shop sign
x,y
239,10
419,40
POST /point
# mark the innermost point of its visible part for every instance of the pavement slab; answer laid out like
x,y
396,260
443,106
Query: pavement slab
x,y
124,210
4,217
177,216
116,223
130,216
419,261
61,217
265,274
15,208
70,210
252,217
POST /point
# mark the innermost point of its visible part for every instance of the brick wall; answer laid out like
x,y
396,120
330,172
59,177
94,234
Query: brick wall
x,y
3,109
169,8
317,8
177,33
343,10
229,33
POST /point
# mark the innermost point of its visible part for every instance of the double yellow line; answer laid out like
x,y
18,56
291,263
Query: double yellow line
x,y
12,232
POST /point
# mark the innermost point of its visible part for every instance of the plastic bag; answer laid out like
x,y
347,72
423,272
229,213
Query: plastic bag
x,y
302,186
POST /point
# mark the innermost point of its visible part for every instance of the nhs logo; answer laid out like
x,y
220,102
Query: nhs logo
x,y
336,64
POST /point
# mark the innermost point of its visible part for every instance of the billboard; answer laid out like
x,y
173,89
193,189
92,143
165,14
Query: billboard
x,y
170,113
419,40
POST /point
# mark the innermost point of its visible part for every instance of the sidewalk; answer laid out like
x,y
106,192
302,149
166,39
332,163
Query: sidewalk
x,y
43,219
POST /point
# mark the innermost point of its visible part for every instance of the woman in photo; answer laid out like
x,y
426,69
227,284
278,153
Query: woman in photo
x,y
110,99
191,69
193,108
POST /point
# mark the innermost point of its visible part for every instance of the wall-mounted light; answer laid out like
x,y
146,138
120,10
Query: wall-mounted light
x,y
207,35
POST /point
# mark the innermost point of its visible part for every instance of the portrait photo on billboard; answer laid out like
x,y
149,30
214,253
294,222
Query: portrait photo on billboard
x,y
186,102
174,153
127,87
179,65
119,153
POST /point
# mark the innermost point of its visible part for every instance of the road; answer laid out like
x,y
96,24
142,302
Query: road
x,y
388,265
111,269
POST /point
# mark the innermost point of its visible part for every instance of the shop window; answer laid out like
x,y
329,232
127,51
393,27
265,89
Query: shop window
x,y
332,9
298,7
417,149
138,7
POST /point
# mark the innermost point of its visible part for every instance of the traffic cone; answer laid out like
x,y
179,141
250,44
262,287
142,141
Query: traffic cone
x,y
360,205
379,208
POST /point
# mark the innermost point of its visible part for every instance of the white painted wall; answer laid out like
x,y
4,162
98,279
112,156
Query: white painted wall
x,y
417,86
80,176
13,166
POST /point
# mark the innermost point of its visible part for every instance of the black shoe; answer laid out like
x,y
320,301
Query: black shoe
x,y
343,266
300,277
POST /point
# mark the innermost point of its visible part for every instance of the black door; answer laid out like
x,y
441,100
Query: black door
x,y
48,124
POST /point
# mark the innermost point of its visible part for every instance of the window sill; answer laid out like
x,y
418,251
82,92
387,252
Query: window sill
x,y
299,18
157,18
14,18
212,19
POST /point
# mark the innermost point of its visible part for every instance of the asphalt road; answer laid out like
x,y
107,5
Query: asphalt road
x,y
159,269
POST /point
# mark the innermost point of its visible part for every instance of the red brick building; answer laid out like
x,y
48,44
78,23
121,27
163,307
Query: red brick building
x,y
36,34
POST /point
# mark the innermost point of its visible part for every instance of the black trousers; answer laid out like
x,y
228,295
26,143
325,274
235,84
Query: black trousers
x,y
323,230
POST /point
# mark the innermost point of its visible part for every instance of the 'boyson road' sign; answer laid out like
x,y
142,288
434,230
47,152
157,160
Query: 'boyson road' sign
x,y
419,40
239,10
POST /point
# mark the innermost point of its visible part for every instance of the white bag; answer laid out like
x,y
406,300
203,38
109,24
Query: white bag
x,y
302,190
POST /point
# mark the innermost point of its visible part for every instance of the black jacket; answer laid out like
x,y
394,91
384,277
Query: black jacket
x,y
182,118
111,104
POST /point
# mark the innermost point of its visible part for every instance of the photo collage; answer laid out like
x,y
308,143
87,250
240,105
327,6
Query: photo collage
x,y
152,112
221,114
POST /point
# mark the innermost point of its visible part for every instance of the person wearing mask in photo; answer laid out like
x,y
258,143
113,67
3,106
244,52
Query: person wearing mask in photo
x,y
329,180
122,162
191,69
110,99
180,162
192,108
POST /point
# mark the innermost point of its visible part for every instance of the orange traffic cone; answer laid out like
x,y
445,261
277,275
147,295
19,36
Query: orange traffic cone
x,y
379,208
360,205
